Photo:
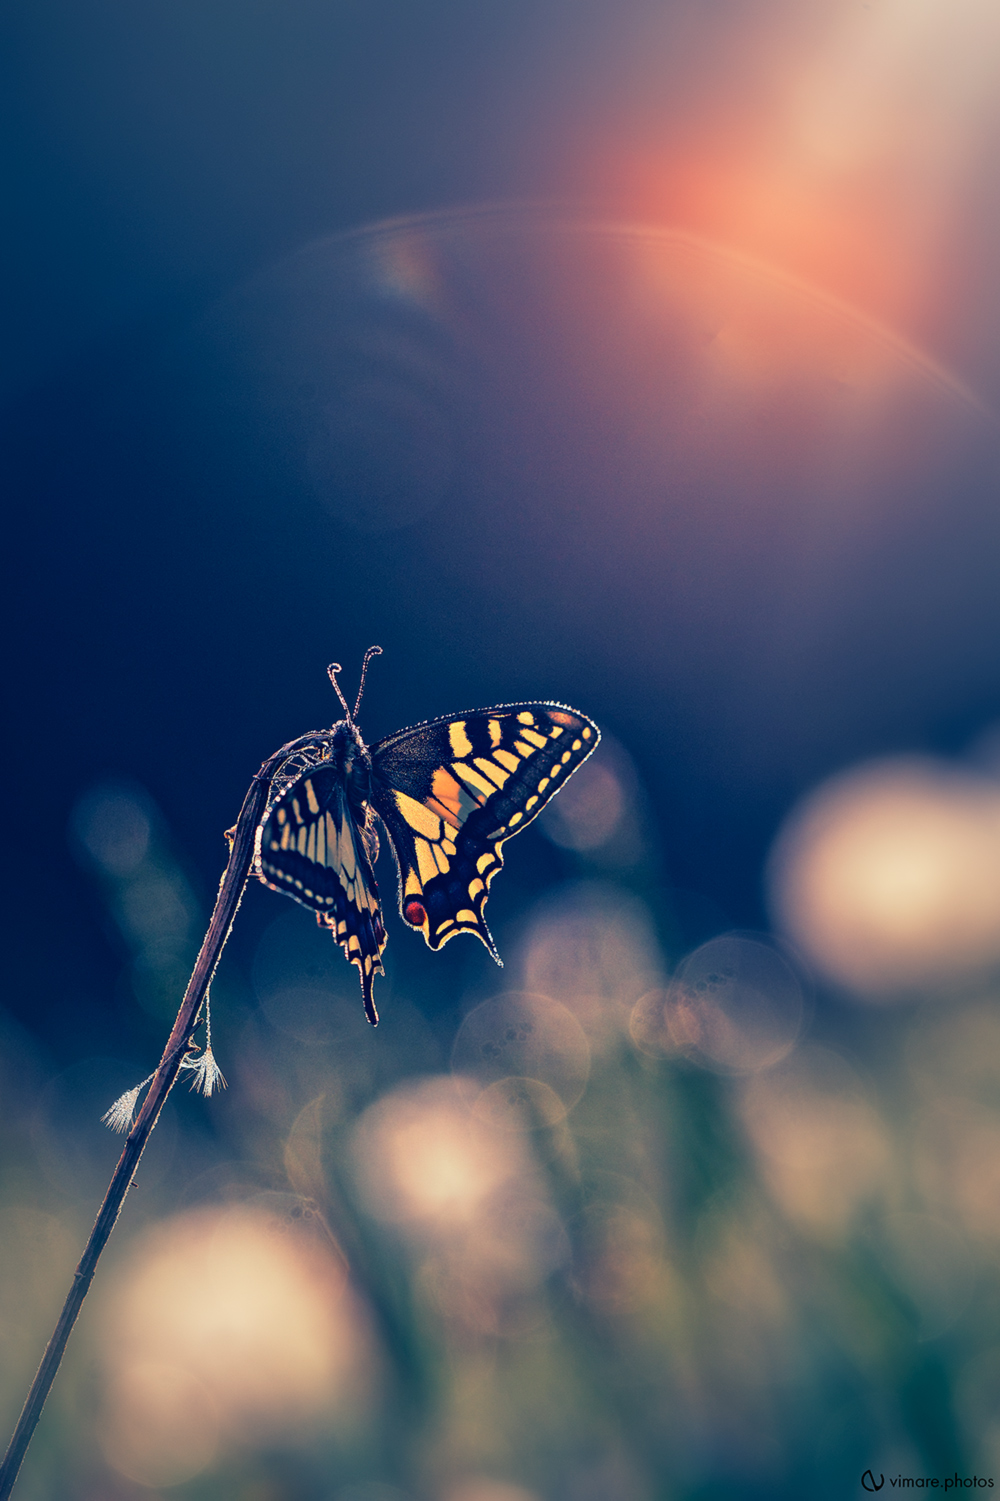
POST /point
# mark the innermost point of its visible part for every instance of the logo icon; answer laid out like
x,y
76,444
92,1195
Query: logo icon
x,y
870,1483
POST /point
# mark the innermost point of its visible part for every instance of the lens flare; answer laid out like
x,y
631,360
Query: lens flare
x,y
843,149
529,1055
735,1006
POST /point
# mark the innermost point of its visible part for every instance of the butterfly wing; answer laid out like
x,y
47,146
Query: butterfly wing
x,y
311,847
451,791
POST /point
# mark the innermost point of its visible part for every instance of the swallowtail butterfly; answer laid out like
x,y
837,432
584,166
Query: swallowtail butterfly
x,y
447,794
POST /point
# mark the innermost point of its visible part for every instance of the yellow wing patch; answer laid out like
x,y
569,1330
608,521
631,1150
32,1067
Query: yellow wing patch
x,y
449,798
419,816
460,743
497,769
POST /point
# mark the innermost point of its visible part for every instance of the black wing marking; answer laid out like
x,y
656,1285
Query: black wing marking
x,y
311,847
451,791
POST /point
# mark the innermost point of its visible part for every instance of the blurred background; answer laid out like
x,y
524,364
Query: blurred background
x,y
639,356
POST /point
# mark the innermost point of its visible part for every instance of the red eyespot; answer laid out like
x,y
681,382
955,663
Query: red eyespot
x,y
414,913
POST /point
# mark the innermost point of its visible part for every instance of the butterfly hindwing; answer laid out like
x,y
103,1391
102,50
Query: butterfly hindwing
x,y
312,847
451,791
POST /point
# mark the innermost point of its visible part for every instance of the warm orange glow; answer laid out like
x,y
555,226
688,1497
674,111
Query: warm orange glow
x,y
764,208
889,876
838,146
751,345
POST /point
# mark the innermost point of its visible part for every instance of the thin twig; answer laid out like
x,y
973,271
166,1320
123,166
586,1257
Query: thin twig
x,y
231,890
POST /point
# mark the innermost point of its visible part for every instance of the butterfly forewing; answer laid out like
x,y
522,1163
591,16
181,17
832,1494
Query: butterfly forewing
x,y
313,847
451,791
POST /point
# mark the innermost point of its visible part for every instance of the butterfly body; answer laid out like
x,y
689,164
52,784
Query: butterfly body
x,y
447,793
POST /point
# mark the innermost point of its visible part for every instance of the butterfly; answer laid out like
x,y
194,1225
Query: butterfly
x,y
446,794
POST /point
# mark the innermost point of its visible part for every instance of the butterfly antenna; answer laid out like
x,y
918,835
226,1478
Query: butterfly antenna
x,y
373,651
331,673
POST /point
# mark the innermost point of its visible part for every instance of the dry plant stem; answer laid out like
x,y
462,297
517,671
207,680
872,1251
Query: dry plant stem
x,y
228,900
